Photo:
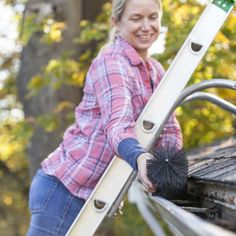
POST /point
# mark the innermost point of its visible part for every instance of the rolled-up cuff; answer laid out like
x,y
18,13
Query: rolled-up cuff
x,y
129,149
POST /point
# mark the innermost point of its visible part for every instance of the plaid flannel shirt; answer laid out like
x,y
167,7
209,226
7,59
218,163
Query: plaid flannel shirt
x,y
118,86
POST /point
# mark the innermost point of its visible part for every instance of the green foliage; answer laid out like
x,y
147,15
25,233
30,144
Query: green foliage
x,y
98,30
52,30
94,35
202,122
29,28
48,122
130,217
14,136
14,179
129,223
57,73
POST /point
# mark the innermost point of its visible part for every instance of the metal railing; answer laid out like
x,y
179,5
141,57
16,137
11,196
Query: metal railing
x,y
179,220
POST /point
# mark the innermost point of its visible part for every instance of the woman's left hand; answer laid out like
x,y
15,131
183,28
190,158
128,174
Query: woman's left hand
x,y
142,172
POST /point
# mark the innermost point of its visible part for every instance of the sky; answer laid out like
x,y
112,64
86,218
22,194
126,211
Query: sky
x,y
8,30
8,34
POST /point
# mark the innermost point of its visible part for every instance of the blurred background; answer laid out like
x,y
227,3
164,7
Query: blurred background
x,y
46,47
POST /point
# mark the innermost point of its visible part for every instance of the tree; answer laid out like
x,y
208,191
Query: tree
x,y
57,26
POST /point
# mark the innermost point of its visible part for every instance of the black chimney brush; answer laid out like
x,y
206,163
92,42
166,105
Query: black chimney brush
x,y
168,170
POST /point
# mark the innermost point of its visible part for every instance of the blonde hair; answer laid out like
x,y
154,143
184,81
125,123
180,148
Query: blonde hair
x,y
118,7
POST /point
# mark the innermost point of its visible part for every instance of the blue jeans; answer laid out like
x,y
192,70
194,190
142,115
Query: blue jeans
x,y
53,208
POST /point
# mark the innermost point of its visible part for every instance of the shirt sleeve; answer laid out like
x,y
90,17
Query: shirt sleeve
x,y
112,86
171,134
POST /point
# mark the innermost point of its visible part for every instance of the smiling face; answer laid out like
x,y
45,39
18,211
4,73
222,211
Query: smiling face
x,y
140,24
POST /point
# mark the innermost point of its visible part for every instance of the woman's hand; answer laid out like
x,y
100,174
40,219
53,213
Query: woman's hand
x,y
142,172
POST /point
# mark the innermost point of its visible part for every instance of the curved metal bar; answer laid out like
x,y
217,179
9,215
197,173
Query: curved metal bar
x,y
140,198
211,98
186,223
214,83
180,221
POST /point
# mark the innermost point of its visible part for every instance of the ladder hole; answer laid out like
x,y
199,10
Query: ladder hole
x,y
196,47
99,205
147,125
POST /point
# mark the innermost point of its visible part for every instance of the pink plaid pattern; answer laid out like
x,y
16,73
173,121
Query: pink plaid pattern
x,y
116,90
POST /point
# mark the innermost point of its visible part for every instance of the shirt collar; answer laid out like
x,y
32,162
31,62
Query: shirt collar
x,y
130,52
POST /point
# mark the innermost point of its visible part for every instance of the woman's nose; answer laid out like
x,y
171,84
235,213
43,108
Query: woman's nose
x,y
146,24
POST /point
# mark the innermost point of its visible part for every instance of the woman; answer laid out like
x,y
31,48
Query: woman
x,y
119,83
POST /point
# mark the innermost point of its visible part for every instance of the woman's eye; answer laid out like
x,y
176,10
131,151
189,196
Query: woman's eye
x,y
154,17
135,19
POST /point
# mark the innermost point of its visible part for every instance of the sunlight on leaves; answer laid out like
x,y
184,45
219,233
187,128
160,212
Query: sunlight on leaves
x,y
7,200
53,31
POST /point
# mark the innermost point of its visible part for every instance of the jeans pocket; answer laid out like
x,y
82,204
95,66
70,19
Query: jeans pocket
x,y
41,190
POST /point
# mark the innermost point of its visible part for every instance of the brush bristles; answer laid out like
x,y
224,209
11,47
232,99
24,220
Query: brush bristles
x,y
168,170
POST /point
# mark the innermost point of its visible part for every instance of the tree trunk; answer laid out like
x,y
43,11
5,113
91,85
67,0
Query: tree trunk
x,y
36,55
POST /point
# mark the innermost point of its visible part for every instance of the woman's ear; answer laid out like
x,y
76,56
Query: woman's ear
x,y
114,22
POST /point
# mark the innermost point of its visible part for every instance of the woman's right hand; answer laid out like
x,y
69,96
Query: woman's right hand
x,y
142,172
